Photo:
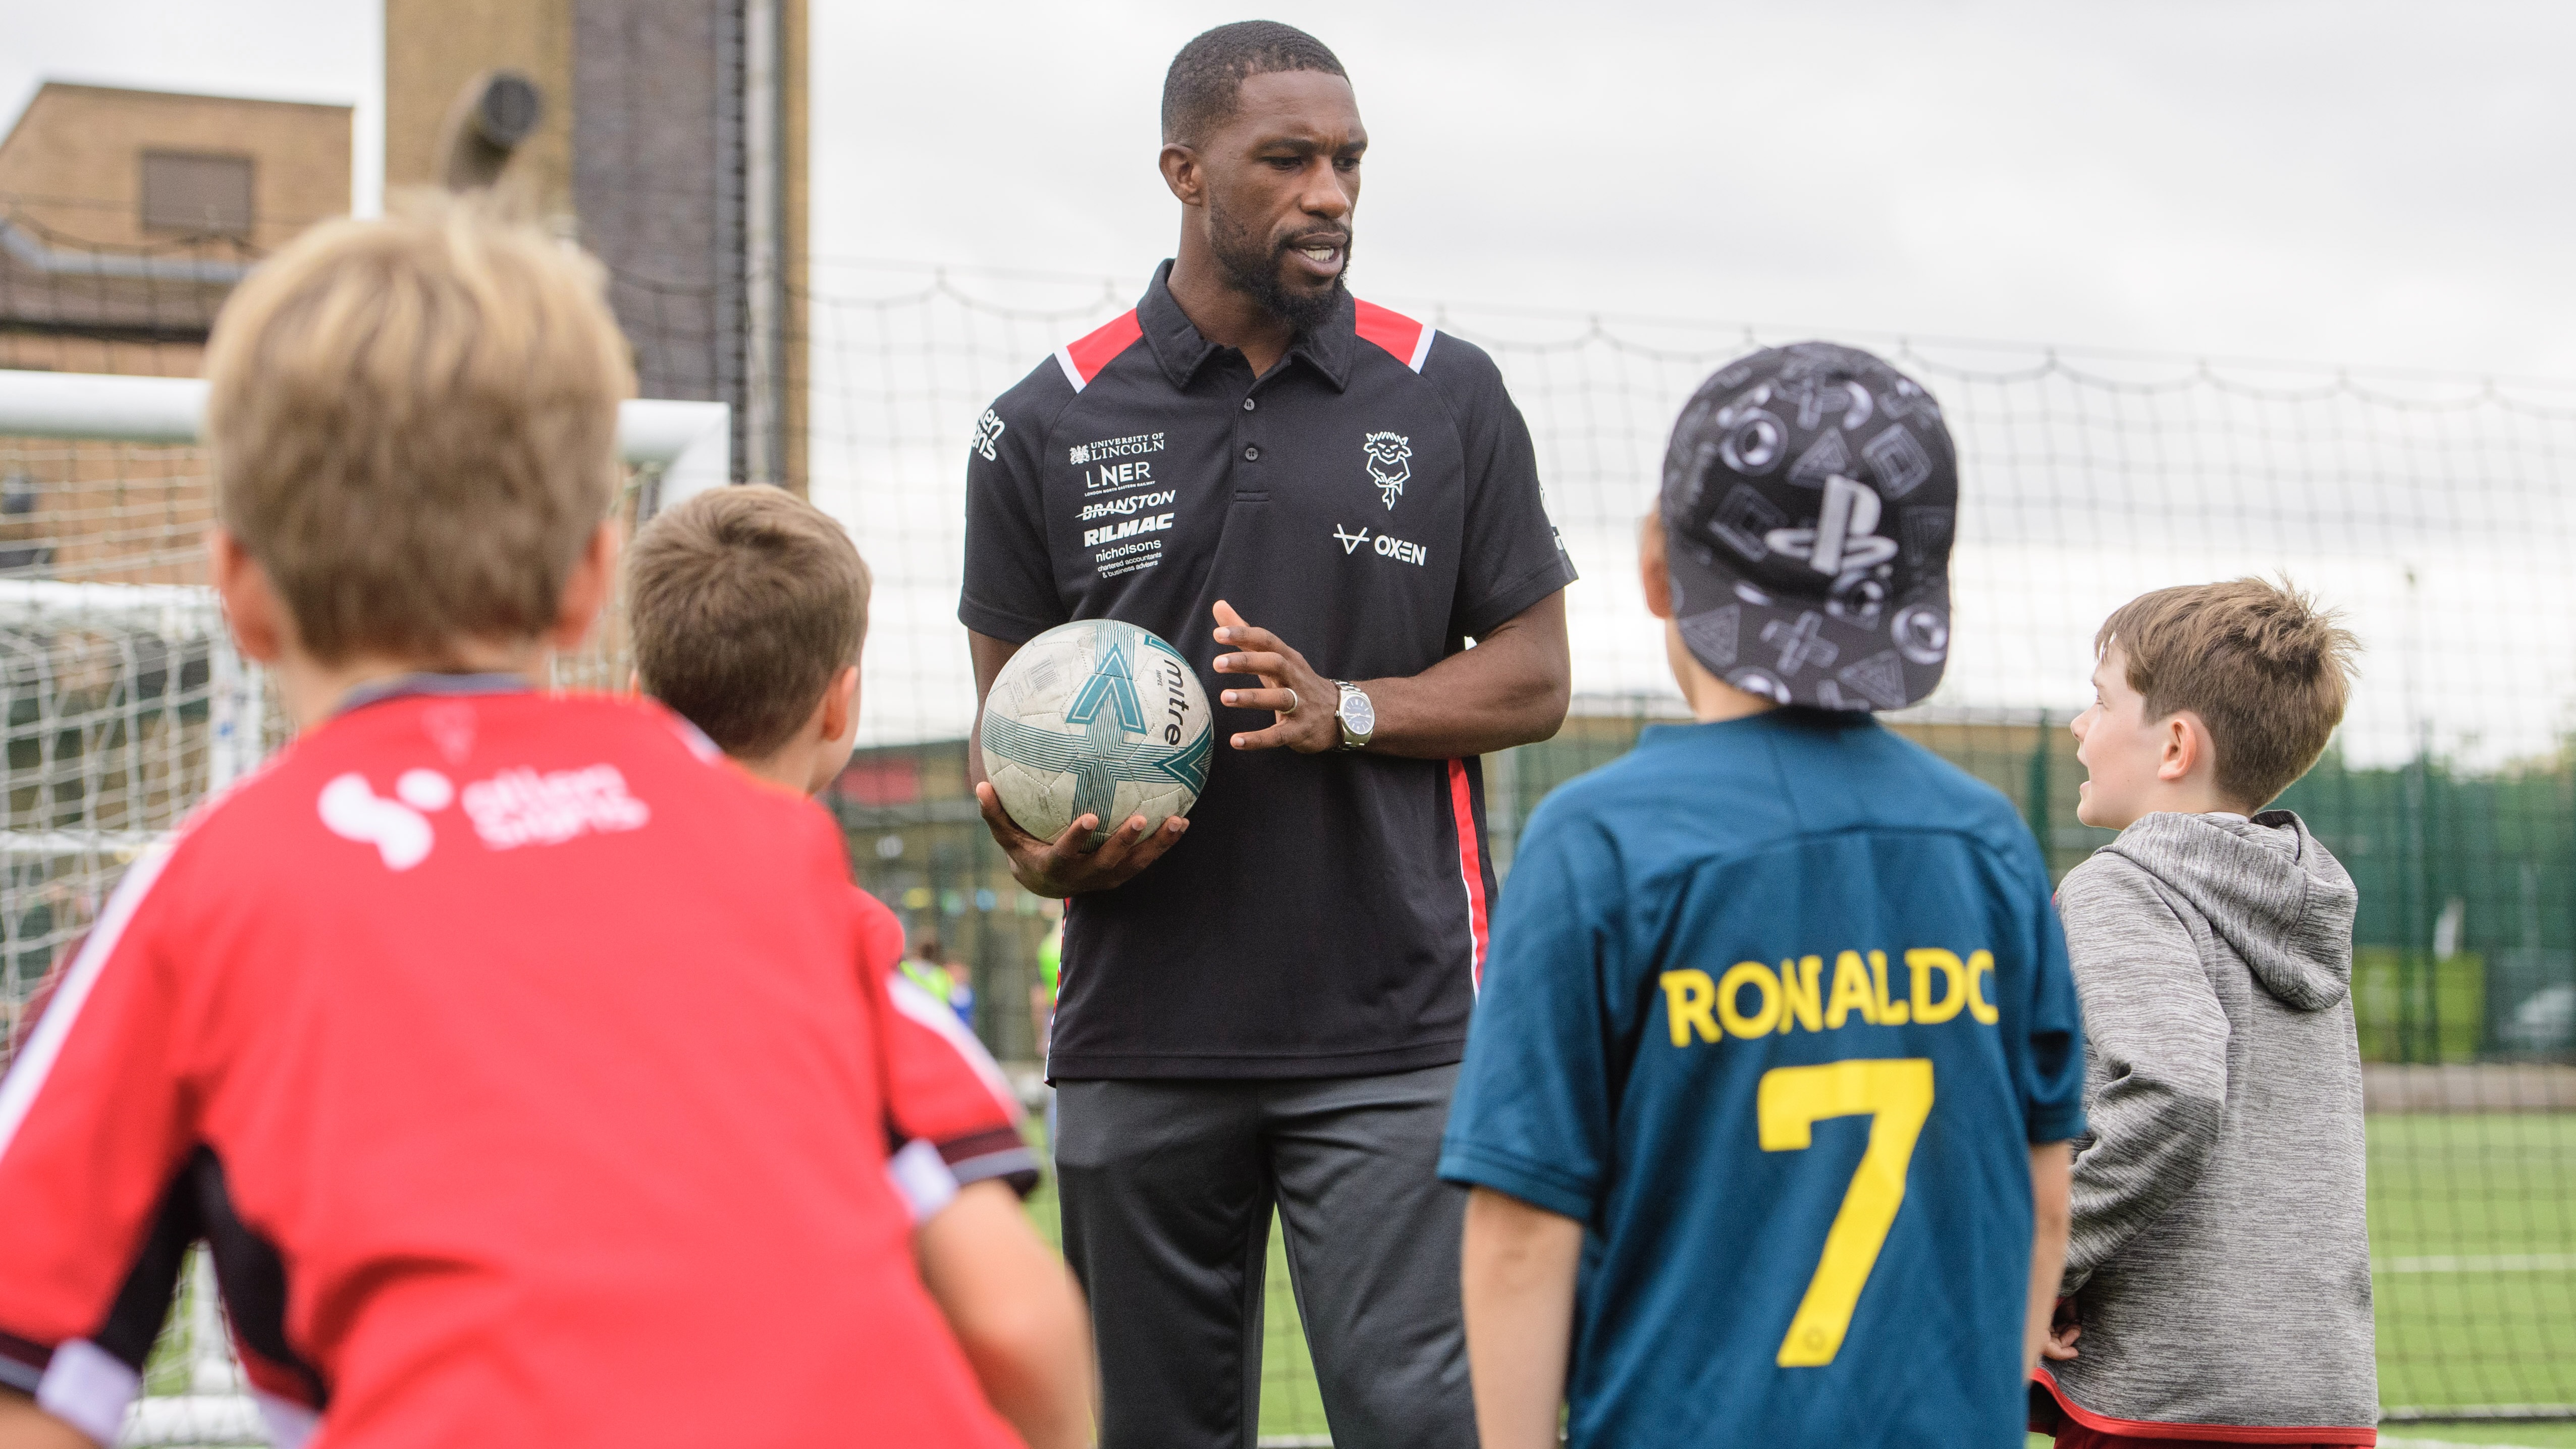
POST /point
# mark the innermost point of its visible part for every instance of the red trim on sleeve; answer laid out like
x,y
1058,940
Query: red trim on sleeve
x,y
1471,868
1083,358
1408,341
2202,1433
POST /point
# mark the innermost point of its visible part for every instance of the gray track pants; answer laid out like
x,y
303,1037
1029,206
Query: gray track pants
x,y
1167,1189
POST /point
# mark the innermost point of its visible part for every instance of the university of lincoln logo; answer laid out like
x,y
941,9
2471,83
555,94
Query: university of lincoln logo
x,y
1390,463
988,431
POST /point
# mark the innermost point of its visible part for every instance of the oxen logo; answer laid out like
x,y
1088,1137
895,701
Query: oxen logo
x,y
988,431
1390,463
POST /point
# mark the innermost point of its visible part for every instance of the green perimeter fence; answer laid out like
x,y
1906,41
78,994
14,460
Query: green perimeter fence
x,y
2465,944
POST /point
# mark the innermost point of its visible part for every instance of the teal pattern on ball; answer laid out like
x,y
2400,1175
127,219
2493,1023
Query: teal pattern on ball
x,y
1106,734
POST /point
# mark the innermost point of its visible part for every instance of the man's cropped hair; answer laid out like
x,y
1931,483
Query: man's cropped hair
x,y
744,604
2265,668
413,423
1206,78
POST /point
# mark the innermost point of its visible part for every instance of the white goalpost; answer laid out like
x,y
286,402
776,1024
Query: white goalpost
x,y
123,704
689,445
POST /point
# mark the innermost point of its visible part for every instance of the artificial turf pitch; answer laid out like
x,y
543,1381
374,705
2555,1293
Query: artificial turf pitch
x,y
2473,1247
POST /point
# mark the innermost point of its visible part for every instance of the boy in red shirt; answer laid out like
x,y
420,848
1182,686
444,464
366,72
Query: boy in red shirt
x,y
747,607
504,1047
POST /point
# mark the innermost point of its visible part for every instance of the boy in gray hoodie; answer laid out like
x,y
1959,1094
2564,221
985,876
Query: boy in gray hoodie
x,y
2218,1277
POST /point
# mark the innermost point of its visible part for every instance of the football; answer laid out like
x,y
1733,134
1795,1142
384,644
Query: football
x,y
1098,718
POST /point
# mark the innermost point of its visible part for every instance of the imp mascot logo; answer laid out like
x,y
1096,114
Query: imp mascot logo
x,y
1390,463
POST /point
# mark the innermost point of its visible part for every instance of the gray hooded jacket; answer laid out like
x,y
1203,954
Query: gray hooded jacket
x,y
2220,1260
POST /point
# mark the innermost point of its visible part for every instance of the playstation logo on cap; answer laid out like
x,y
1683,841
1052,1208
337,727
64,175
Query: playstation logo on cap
x,y
1810,496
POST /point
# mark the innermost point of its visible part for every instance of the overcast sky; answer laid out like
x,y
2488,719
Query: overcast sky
x,y
2329,181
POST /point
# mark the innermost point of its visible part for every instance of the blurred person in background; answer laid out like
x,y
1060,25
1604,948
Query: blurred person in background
x,y
946,981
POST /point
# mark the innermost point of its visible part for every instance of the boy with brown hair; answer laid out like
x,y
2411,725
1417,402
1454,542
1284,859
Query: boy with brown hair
x,y
748,608
2218,1274
415,1025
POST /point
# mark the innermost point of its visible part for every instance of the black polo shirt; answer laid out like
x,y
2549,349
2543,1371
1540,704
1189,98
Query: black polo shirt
x,y
1373,501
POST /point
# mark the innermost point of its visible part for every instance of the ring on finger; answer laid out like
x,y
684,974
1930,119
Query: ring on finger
x,y
1293,702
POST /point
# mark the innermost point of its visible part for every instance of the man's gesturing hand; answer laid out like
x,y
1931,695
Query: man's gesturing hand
x,y
1065,866
1307,718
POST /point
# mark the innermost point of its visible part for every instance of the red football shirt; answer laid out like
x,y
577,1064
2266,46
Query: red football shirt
x,y
950,1112
508,1050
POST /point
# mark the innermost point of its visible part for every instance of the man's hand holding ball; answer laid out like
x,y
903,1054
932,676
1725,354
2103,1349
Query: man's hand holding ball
x,y
1068,865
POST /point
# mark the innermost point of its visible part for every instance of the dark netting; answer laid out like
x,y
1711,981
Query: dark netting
x,y
2434,509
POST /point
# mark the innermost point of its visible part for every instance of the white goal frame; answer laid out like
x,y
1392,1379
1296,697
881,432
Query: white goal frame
x,y
688,444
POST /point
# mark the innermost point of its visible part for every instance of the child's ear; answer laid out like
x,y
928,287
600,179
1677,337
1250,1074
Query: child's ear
x,y
840,703
1651,569
2182,748
251,606
586,588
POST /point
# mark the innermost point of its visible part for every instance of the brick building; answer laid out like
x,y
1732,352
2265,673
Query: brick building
x,y
126,216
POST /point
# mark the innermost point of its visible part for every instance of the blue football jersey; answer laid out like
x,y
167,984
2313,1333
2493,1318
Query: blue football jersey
x,y
1775,1008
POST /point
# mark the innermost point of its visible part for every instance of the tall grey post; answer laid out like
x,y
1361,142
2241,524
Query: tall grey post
x,y
678,178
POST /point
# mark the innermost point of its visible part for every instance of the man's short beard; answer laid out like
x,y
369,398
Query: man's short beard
x,y
1251,264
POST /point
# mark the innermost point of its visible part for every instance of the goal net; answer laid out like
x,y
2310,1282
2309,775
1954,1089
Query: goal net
x,y
2436,510
125,701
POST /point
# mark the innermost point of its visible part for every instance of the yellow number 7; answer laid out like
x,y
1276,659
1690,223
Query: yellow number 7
x,y
1897,1096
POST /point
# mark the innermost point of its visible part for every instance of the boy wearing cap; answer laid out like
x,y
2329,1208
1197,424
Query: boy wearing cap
x,y
1765,1104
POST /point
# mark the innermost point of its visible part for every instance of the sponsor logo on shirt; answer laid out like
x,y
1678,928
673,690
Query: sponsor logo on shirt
x,y
1128,558
522,807
1117,477
1752,1000
1384,545
398,828
1121,507
1106,449
1112,532
1390,463
988,431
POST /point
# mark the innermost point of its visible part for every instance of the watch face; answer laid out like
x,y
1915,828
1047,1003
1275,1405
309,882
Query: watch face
x,y
1358,714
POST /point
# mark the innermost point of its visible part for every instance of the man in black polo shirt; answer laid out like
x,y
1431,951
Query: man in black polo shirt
x,y
1320,503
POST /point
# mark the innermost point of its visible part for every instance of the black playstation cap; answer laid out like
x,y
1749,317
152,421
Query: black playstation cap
x,y
1810,496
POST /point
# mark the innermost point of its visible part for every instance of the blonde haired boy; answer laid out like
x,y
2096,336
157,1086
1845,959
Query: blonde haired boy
x,y
748,607
2219,1268
504,1047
